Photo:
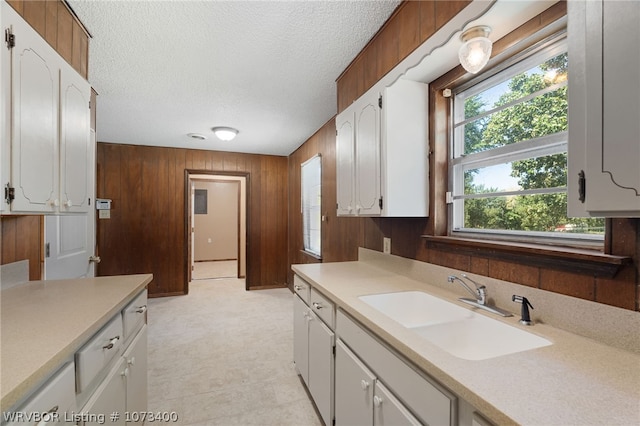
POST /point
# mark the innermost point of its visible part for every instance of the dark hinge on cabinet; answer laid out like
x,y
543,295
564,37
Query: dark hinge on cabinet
x,y
9,38
582,183
380,203
334,350
47,250
380,101
9,194
333,422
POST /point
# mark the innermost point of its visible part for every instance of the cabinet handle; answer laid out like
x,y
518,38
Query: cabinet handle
x,y
44,422
68,204
112,342
317,305
125,373
297,287
141,309
54,203
364,385
377,401
131,361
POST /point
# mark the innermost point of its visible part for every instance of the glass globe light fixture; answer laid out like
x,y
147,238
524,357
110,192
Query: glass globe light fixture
x,y
476,48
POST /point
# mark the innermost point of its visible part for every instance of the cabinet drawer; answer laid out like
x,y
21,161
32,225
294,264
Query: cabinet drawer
x,y
97,353
133,316
57,396
323,308
302,288
430,402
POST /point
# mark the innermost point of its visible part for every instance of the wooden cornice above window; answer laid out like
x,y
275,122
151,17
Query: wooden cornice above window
x,y
580,261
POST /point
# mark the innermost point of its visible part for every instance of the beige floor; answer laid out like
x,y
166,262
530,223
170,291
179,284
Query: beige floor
x,y
223,356
215,269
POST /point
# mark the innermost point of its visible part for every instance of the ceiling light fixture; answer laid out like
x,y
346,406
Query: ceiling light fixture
x,y
197,136
476,48
225,133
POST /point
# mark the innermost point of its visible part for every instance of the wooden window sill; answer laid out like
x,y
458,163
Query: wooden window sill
x,y
312,255
580,261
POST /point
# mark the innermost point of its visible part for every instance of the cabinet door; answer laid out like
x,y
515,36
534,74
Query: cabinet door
x,y
388,410
75,142
354,389
604,130
136,360
110,397
321,367
368,156
301,337
34,146
614,175
345,151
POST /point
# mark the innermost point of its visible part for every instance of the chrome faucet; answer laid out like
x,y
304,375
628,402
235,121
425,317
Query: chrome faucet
x,y
480,295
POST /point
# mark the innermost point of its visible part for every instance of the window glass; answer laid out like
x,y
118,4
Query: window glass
x,y
509,151
311,184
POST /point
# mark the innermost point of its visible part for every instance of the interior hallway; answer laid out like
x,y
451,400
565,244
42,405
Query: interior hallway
x,y
215,269
224,356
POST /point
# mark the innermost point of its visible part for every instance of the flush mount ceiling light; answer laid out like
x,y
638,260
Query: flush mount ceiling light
x,y
197,136
476,48
225,133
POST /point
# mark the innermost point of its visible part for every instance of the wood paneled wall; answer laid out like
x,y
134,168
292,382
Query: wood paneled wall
x,y
339,241
22,239
411,24
147,229
53,20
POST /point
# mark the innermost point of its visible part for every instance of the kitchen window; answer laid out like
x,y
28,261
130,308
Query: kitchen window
x,y
508,164
311,184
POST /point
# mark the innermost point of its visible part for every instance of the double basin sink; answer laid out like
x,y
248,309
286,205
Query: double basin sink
x,y
457,330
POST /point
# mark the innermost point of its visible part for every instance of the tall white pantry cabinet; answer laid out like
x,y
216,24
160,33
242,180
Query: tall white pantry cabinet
x,y
46,144
604,108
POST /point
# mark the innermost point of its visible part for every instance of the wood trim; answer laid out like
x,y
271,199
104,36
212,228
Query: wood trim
x,y
580,261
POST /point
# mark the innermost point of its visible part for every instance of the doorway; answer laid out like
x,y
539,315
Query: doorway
x,y
217,230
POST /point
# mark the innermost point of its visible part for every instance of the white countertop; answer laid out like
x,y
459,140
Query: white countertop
x,y
575,381
42,324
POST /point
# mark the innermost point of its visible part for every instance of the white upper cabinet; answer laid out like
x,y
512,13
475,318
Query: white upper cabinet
x,y
46,124
604,108
382,153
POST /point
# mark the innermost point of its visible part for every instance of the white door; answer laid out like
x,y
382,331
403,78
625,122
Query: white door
x,y
321,366
345,162
69,245
354,389
35,92
76,167
136,358
368,157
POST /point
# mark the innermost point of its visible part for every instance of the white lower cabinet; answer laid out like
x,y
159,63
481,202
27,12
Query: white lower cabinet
x,y
109,397
135,358
313,350
361,399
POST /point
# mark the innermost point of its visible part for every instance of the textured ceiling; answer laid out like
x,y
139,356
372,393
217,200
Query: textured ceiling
x,y
163,69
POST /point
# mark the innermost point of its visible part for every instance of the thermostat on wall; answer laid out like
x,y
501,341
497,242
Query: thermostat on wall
x,y
103,204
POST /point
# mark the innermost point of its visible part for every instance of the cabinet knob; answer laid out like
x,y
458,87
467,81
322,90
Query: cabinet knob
x,y
297,287
131,361
364,385
125,373
54,203
377,401
141,309
68,204
317,305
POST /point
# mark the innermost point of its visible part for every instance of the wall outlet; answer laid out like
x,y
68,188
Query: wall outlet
x,y
386,245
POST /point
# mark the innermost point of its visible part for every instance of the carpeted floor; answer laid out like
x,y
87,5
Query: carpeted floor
x,y
223,356
215,269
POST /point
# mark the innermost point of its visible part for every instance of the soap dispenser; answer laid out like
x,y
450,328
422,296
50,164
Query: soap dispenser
x,y
525,318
